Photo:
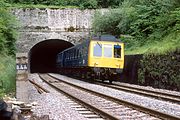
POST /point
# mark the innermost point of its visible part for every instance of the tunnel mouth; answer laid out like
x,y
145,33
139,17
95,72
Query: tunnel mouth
x,y
42,56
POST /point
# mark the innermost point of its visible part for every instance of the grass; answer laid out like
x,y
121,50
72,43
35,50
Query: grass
x,y
169,43
7,75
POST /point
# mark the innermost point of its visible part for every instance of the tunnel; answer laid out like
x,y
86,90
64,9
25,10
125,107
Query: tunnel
x,y
42,56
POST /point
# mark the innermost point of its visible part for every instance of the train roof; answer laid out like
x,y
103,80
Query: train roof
x,y
98,38
106,38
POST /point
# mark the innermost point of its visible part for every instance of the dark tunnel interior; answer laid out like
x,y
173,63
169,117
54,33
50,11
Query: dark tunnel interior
x,y
42,56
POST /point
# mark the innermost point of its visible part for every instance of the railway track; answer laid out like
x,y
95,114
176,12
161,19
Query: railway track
x,y
107,106
83,110
79,105
38,87
74,104
145,92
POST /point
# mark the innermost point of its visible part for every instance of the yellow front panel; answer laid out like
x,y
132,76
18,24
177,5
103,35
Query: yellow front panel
x,y
108,62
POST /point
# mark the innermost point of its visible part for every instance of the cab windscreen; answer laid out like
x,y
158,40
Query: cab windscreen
x,y
117,51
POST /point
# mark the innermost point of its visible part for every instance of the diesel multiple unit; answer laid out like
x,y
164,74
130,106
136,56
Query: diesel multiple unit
x,y
99,57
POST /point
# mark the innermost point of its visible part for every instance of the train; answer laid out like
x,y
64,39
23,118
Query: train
x,y
98,57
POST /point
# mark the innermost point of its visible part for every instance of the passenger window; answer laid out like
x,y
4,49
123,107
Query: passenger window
x,y
84,51
77,53
71,55
97,50
80,52
66,55
74,53
107,50
117,51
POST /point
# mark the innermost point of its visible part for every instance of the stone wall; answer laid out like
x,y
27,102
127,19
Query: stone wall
x,y
55,19
28,39
41,24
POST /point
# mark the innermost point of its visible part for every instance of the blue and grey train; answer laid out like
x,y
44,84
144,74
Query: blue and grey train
x,y
99,57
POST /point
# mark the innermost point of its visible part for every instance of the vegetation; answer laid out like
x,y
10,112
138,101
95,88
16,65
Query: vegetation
x,y
8,32
8,36
143,24
83,4
7,75
161,70
146,26
151,27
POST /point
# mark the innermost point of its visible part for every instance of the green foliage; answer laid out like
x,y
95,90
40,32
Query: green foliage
x,y
7,74
4,4
8,32
151,27
107,22
7,47
161,70
90,4
40,6
109,3
83,4
141,22
2,93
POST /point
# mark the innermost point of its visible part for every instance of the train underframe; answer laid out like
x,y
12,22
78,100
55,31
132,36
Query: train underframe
x,y
93,73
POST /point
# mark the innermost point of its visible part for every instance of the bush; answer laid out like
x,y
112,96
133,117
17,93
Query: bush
x,y
140,22
89,4
161,71
83,4
7,74
151,27
8,27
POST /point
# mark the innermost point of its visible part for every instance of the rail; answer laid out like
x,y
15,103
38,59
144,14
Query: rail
x,y
132,105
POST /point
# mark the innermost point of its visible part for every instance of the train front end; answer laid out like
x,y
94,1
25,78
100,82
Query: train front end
x,y
106,57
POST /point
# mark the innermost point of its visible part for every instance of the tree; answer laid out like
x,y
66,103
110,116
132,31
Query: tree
x,y
8,26
109,3
142,21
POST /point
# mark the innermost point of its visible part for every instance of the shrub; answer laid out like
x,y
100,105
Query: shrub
x,y
161,71
7,74
8,27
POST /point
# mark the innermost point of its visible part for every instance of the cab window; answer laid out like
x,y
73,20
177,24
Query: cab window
x,y
97,50
117,51
107,50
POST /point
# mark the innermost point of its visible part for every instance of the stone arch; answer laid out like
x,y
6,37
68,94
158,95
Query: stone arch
x,y
42,56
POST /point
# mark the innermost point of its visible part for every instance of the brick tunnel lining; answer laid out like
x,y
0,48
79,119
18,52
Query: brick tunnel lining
x,y
42,56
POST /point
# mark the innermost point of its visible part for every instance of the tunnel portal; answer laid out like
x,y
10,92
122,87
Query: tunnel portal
x,y
42,56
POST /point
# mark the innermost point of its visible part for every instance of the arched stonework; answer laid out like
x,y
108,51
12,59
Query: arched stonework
x,y
40,24
28,39
42,56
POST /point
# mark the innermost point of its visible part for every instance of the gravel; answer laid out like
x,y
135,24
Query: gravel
x,y
53,104
120,111
150,88
163,106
